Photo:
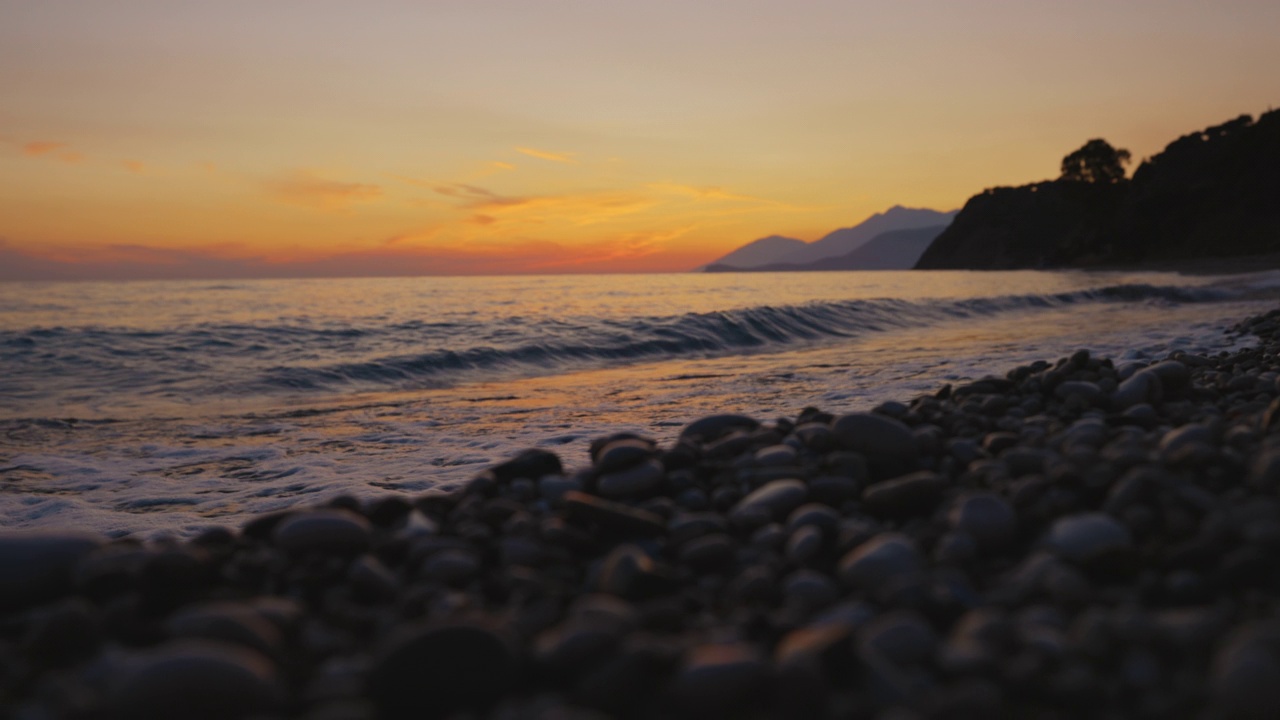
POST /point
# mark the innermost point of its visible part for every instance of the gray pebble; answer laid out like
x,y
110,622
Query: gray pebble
x,y
877,560
337,531
639,479
1087,536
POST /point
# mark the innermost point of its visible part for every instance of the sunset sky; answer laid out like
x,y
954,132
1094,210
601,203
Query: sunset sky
x,y
171,138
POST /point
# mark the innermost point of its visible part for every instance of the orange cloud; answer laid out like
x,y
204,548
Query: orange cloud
x,y
498,164
308,189
52,150
134,166
545,155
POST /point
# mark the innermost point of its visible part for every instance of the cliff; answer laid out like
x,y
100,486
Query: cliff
x,y
1211,193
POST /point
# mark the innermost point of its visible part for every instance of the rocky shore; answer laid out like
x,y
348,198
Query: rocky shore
x,y
1079,538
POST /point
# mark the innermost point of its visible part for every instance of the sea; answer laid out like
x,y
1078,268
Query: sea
x,y
159,409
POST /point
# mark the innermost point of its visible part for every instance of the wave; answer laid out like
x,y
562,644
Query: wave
x,y
562,346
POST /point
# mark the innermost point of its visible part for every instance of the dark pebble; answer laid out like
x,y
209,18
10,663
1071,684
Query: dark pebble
x,y
635,481
436,671
879,559
917,492
337,531
774,500
195,679
38,565
888,444
713,427
986,517
1088,536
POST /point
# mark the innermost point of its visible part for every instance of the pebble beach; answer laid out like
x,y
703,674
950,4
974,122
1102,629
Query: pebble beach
x,y
1075,537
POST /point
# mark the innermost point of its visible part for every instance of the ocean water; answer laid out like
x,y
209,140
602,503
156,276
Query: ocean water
x,y
153,408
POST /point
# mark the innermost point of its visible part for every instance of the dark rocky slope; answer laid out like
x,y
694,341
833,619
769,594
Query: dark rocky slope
x,y
1214,193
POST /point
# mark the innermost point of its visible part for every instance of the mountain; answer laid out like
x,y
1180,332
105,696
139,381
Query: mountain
x,y
1209,194
775,249
844,240
893,250
761,252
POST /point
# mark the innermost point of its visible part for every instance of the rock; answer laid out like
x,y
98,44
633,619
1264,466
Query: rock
x,y
1086,391
435,671
914,493
195,679
531,464
231,623
622,454
986,517
776,455
888,445
877,560
903,637
572,648
804,544
730,680
1174,376
708,552
635,481
450,566
713,427
1245,675
815,514
809,589
628,572
1142,387
38,565
774,499
553,488
329,531
1088,536
613,517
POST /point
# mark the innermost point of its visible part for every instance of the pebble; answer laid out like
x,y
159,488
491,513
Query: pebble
x,y
914,493
336,531
38,565
877,560
1088,536
986,517
195,679
722,680
713,427
622,454
635,481
438,670
888,444
774,500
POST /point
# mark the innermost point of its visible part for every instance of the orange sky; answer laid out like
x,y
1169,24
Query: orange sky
x,y
159,139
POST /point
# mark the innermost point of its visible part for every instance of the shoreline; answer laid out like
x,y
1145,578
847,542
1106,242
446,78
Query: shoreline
x,y
1073,537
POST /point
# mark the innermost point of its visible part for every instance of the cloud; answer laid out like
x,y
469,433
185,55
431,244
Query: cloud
x,y
308,189
545,155
52,151
499,165
134,166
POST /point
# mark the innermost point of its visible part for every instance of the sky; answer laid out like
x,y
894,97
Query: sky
x,y
173,138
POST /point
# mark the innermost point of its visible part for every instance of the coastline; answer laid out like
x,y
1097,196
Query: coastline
x,y
1079,536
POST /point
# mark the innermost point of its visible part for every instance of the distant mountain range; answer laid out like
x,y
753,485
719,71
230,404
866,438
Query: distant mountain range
x,y
838,250
892,250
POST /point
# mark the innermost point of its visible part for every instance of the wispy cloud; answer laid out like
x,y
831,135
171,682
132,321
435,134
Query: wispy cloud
x,y
546,155
52,151
308,189
134,166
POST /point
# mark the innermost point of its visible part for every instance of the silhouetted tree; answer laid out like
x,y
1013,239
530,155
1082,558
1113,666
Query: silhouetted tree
x,y
1096,162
